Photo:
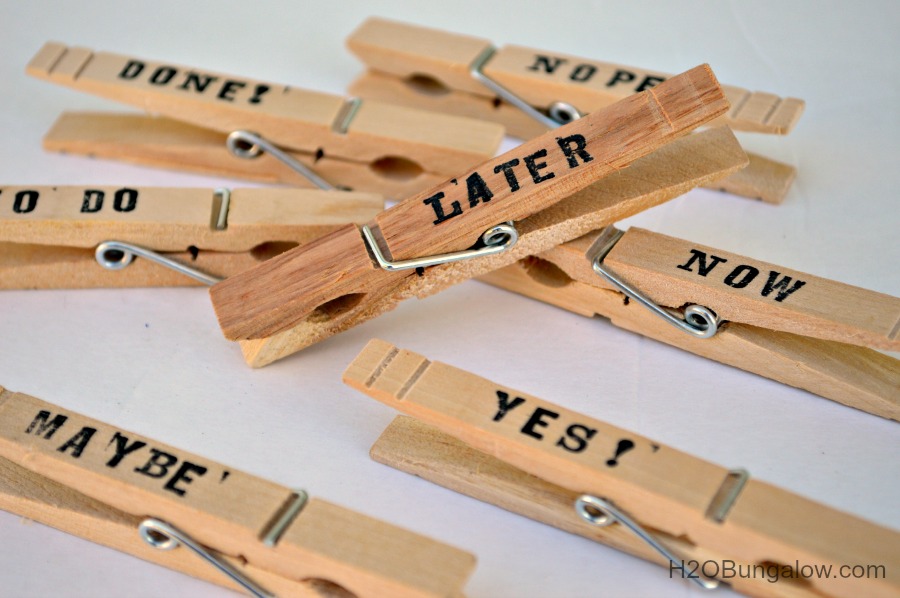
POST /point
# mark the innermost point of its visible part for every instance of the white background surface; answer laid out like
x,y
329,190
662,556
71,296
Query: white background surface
x,y
153,360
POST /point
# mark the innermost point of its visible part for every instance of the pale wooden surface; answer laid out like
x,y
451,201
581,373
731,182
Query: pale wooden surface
x,y
660,487
663,175
855,376
743,289
276,296
165,143
219,506
298,119
404,50
48,233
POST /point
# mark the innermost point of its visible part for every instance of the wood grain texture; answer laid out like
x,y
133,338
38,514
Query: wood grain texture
x,y
219,506
745,290
665,174
48,234
275,296
658,486
410,52
165,143
295,118
424,451
854,376
763,178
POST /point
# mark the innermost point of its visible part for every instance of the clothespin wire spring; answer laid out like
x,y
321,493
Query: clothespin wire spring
x,y
115,255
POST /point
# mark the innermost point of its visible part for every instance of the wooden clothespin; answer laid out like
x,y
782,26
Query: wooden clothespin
x,y
793,327
310,293
76,237
114,487
585,476
530,90
362,145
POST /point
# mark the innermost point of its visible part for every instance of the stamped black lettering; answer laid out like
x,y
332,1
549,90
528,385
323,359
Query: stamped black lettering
x,y
623,447
746,274
258,93
534,167
77,443
158,464
435,202
162,75
92,202
702,267
477,190
125,200
576,438
537,421
44,425
780,285
621,76
132,69
229,88
548,64
573,153
182,476
197,82
505,404
507,168
583,72
122,448
25,201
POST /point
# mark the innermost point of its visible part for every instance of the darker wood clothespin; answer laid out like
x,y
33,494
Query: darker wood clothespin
x,y
94,480
307,294
76,237
530,90
362,145
585,476
796,328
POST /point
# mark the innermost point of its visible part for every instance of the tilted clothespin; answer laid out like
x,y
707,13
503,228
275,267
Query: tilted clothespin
x,y
585,476
793,327
116,488
310,293
76,237
367,146
531,90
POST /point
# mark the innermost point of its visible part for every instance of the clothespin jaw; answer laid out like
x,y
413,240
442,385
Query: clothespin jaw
x,y
54,237
690,507
799,329
369,136
530,90
336,275
116,478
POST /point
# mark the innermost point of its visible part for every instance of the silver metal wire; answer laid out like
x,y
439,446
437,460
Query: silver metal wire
x,y
245,144
116,255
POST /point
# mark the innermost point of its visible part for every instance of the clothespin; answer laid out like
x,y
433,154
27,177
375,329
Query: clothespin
x,y
362,145
529,91
140,496
75,237
312,292
799,329
585,476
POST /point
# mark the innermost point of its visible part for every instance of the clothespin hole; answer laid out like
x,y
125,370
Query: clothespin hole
x,y
545,273
327,589
336,307
270,249
426,85
396,168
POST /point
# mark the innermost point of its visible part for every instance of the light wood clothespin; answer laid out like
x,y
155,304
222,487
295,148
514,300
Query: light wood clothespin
x,y
367,146
309,293
114,487
585,476
530,90
793,327
76,237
